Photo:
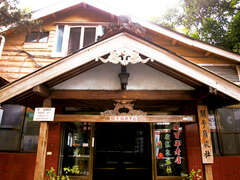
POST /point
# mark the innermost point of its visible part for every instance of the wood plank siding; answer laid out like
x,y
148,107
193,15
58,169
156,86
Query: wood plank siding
x,y
20,58
228,72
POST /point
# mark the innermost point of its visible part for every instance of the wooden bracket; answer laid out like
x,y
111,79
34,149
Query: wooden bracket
x,y
42,91
213,90
207,53
174,42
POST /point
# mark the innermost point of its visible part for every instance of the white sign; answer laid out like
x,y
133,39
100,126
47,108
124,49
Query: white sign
x,y
44,114
212,122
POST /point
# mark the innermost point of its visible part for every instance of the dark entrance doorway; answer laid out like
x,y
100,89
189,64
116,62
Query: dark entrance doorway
x,y
122,151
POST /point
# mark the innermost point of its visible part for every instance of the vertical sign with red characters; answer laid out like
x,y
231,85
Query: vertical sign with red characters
x,y
169,149
205,135
177,143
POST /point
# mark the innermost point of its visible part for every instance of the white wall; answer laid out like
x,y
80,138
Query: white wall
x,y
105,77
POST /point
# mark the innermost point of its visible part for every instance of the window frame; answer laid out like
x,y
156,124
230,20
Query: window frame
x,y
221,132
66,36
20,130
38,37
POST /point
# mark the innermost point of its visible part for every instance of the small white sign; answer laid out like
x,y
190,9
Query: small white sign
x,y
212,122
85,144
44,114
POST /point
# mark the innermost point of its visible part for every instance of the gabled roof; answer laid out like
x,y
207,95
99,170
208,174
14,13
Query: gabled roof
x,y
122,40
159,29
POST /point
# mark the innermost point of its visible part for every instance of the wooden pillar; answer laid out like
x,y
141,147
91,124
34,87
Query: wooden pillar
x,y
42,146
206,141
208,171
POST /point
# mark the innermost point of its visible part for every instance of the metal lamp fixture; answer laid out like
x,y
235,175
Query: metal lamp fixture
x,y
123,77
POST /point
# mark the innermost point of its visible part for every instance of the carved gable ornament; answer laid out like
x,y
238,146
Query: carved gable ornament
x,y
124,108
124,56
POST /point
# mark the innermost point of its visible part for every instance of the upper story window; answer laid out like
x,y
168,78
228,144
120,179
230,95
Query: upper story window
x,y
38,37
72,38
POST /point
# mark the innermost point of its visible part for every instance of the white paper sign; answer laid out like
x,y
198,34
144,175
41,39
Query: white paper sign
x,y
212,122
44,114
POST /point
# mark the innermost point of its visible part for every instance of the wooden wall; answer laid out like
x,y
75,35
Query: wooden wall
x,y
21,165
17,166
226,168
54,141
16,62
193,148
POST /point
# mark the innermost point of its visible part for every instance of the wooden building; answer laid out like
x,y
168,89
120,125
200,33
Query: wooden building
x,y
133,100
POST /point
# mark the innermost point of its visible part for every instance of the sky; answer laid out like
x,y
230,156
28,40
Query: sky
x,y
136,8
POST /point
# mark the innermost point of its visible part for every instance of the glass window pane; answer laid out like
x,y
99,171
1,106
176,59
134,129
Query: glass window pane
x,y
169,149
32,37
89,36
237,136
215,143
226,119
9,140
76,148
236,114
12,116
30,133
74,39
60,38
229,144
43,37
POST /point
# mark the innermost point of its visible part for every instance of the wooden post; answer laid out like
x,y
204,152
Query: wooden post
x,y
206,141
208,171
42,146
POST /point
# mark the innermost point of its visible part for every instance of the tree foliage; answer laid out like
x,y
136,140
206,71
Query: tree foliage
x,y
11,15
214,21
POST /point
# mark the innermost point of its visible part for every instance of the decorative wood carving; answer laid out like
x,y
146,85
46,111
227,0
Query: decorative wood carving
x,y
124,56
124,104
123,23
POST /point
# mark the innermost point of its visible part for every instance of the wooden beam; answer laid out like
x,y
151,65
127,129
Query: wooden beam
x,y
102,118
238,72
119,95
42,147
41,90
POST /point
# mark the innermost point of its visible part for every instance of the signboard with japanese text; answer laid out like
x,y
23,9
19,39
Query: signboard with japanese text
x,y
44,114
205,135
